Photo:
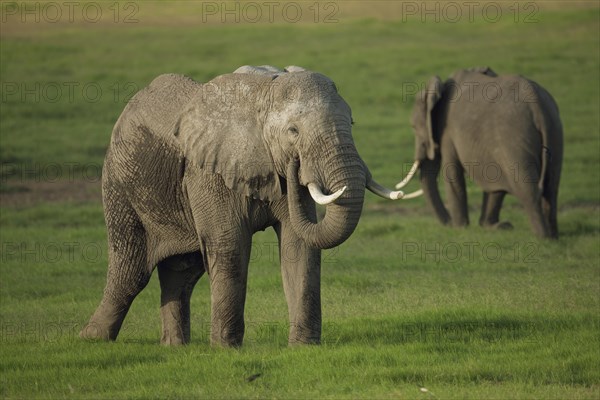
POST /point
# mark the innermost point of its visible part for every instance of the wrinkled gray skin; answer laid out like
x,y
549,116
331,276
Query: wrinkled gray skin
x,y
193,170
504,132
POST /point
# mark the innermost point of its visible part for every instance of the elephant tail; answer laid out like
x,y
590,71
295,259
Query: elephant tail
x,y
546,159
548,124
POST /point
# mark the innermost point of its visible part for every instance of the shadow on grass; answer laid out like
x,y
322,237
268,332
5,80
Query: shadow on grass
x,y
579,218
446,331
100,356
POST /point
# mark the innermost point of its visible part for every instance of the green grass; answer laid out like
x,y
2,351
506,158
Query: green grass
x,y
407,304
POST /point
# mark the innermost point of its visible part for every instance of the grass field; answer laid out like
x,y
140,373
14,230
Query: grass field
x,y
410,309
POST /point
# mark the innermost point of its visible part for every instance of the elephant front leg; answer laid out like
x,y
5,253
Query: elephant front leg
x,y
178,276
490,211
227,266
301,273
456,193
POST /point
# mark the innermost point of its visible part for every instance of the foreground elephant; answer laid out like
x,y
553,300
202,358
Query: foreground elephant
x,y
193,170
503,131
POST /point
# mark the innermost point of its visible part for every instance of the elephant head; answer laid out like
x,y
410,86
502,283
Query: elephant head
x,y
427,156
269,133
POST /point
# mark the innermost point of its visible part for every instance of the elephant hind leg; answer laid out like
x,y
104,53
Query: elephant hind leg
x,y
128,272
178,275
490,211
550,200
549,207
532,202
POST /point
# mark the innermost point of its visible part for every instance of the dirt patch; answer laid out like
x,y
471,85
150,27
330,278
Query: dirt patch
x,y
26,194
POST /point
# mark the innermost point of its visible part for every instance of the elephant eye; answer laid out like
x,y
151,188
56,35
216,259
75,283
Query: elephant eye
x,y
293,131
351,121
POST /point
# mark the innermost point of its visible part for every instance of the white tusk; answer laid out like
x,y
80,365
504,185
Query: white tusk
x,y
412,195
384,192
321,198
411,173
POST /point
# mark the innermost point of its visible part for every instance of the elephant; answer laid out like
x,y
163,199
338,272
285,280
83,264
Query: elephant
x,y
504,132
193,170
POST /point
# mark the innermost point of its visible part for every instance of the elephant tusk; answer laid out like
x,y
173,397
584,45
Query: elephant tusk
x,y
412,195
384,192
320,198
411,173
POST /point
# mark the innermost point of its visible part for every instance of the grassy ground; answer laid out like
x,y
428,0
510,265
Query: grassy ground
x,y
407,304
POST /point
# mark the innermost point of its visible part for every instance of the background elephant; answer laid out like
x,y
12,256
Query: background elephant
x,y
503,131
193,170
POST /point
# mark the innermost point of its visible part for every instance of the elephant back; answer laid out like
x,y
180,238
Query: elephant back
x,y
156,108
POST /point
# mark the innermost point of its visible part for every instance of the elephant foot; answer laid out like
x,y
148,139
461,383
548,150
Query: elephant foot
x,y
302,335
504,225
170,338
176,328
105,324
227,338
96,332
226,343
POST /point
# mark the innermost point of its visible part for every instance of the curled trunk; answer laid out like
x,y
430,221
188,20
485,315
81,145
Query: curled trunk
x,y
341,216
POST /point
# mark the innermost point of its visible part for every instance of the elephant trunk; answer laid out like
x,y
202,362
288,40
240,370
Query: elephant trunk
x,y
430,170
342,215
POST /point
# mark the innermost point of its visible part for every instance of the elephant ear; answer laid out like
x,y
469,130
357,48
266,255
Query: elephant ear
x,y
433,94
220,132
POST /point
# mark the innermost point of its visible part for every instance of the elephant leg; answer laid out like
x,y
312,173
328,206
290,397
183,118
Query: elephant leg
x,y
301,273
224,227
226,263
128,271
532,203
178,276
456,193
550,207
490,211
